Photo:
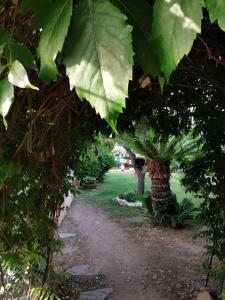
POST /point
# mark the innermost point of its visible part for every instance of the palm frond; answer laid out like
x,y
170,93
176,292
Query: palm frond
x,y
147,144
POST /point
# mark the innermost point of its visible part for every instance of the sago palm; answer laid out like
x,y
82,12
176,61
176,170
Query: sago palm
x,y
160,154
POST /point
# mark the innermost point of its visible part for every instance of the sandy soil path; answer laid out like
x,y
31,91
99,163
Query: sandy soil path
x,y
165,266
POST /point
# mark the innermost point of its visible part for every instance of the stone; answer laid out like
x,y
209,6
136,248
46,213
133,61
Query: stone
x,y
123,202
65,235
204,295
99,294
84,271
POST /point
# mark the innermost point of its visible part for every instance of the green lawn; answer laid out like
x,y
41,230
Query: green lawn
x,y
117,182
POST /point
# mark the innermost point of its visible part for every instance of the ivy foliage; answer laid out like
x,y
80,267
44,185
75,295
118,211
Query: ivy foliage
x,y
99,41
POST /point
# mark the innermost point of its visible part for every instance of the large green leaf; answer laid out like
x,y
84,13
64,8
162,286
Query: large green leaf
x,y
175,26
6,96
52,38
216,10
99,56
17,51
139,14
18,76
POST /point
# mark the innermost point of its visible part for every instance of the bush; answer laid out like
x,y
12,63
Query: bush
x,y
185,211
174,216
96,161
129,197
106,162
89,180
89,166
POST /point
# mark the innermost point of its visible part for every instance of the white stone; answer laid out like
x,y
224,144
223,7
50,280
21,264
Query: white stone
x,y
123,202
64,235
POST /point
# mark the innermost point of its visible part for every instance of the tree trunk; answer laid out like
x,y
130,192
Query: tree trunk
x,y
159,172
140,172
164,205
141,181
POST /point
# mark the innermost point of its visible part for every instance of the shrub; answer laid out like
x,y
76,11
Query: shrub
x,y
96,161
89,180
185,211
106,161
89,166
175,216
129,197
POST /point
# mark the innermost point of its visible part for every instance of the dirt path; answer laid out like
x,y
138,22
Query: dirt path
x,y
139,264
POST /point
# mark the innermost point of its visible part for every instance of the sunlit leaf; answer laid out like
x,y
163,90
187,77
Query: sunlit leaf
x,y
216,10
52,38
99,56
175,26
6,96
18,76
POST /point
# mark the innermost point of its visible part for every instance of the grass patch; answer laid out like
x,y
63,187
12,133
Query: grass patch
x,y
117,182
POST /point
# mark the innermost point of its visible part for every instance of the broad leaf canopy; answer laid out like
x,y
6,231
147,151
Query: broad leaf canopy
x,y
99,49
99,56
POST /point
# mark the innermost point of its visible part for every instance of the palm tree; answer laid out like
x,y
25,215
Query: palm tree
x,y
160,154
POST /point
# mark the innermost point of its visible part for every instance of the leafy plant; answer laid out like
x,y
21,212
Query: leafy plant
x,y
95,161
160,153
129,197
89,180
185,211
177,217
135,34
89,166
44,294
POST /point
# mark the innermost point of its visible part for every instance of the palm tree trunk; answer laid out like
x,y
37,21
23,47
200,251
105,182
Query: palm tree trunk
x,y
163,203
159,172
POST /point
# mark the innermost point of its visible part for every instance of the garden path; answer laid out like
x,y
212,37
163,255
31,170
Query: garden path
x,y
165,265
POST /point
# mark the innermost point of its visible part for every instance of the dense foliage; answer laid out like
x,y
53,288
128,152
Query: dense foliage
x,y
47,36
95,161
194,102
160,153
